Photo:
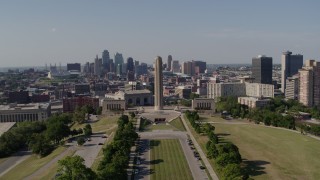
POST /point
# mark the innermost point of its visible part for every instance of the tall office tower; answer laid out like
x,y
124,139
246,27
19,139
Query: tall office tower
x,y
175,66
199,67
262,69
130,64
292,87
97,66
136,63
86,68
124,68
187,68
118,59
158,85
290,65
309,84
119,69
111,66
141,69
106,60
169,63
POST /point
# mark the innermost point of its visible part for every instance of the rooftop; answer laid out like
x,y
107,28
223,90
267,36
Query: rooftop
x,y
30,106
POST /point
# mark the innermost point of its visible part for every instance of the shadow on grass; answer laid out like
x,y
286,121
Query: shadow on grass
x,y
223,140
154,143
255,167
223,134
156,161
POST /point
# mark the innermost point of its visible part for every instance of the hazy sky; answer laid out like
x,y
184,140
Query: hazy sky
x,y
38,32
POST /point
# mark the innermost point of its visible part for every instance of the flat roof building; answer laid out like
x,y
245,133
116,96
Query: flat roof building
x,y
25,112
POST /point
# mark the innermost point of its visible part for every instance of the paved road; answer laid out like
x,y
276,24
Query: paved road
x,y
14,160
202,154
89,151
144,167
49,164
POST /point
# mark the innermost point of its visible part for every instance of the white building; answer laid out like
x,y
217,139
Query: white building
x,y
259,90
216,90
25,112
253,102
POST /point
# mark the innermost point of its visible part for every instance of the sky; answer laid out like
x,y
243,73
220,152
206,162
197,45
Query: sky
x,y
36,32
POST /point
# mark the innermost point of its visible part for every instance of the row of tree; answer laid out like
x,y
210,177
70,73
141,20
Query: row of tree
x,y
116,155
115,160
278,113
226,155
193,118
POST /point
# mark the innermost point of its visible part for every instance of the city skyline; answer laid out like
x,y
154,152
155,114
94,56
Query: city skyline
x,y
37,33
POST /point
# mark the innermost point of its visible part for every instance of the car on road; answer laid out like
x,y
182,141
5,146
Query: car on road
x,y
202,167
104,136
100,143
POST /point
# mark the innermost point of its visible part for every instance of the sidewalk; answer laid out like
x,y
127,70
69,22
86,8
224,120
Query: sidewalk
x,y
202,154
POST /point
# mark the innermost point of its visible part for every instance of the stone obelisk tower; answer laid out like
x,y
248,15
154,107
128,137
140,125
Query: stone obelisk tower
x,y
158,85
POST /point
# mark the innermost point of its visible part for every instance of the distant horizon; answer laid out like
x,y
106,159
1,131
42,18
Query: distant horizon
x,y
37,32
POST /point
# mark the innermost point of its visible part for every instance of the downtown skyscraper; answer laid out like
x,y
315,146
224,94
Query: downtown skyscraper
x,y
290,65
262,69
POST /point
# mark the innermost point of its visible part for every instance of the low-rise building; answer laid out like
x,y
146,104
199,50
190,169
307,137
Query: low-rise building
x,y
70,104
113,105
204,105
253,102
134,97
25,112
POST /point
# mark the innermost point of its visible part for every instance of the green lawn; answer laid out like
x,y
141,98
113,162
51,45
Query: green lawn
x,y
31,165
101,125
177,123
270,153
52,170
168,160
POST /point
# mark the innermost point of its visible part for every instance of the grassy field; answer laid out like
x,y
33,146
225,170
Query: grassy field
x,y
31,165
270,153
177,123
168,161
52,170
101,125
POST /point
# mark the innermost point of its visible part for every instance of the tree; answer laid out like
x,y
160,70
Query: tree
x,y
57,129
87,130
81,141
78,115
232,171
132,115
39,144
194,95
74,169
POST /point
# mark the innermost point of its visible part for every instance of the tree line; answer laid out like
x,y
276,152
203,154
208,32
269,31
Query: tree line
x,y
115,157
278,113
42,137
226,155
